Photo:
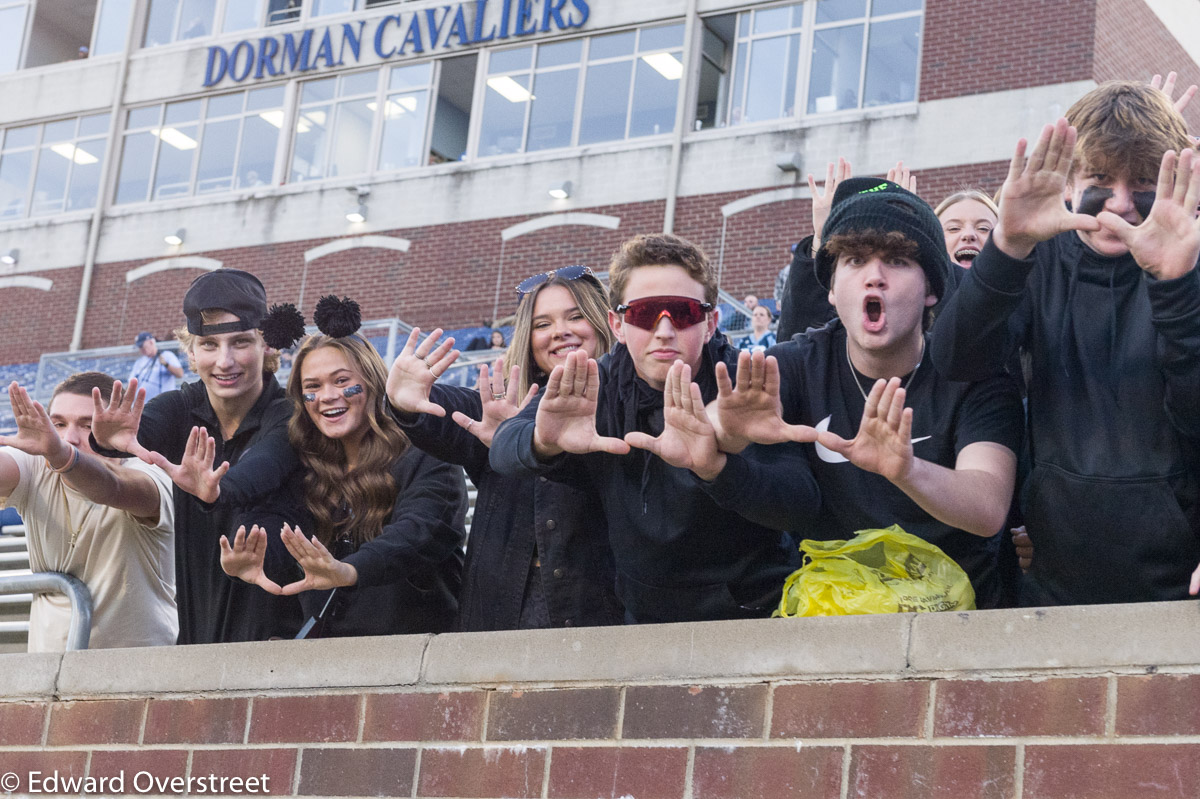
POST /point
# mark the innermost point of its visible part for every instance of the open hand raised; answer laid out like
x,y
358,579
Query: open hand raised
x,y
498,402
115,423
566,416
195,473
416,369
688,440
243,558
750,411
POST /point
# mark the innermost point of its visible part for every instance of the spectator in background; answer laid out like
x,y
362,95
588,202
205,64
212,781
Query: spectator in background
x,y
538,555
106,522
497,340
967,218
156,370
738,320
760,336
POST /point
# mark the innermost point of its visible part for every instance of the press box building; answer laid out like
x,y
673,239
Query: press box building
x,y
423,157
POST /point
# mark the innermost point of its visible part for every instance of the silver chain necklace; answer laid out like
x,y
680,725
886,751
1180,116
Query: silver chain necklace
x,y
907,380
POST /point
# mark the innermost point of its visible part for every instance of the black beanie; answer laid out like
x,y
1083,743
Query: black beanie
x,y
231,290
861,204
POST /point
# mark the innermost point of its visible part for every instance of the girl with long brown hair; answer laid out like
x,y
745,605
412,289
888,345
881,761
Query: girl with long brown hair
x,y
388,519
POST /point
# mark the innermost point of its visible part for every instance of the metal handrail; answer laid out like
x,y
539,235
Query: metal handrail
x,y
80,631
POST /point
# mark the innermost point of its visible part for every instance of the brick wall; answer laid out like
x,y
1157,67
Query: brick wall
x,y
1132,43
974,46
448,276
1061,703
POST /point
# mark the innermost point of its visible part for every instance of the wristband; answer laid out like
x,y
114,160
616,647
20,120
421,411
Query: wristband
x,y
71,463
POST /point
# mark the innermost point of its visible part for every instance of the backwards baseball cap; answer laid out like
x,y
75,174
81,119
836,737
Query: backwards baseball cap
x,y
142,338
862,204
231,290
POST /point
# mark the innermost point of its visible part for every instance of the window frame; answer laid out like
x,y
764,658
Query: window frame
x,y
809,28
202,125
585,61
39,145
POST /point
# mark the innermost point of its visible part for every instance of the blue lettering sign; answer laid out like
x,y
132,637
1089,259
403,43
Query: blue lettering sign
x,y
268,48
239,75
584,13
325,50
218,62
380,31
480,8
272,56
352,38
459,28
297,57
413,36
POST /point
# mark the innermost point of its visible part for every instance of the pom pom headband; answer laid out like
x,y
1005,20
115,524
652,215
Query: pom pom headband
x,y
337,318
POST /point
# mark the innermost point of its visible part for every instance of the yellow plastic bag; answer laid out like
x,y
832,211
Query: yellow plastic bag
x,y
877,571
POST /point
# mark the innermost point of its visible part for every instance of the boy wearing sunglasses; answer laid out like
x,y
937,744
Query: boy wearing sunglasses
x,y
893,442
679,555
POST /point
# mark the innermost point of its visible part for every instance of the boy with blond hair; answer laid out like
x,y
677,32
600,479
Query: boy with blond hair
x,y
1104,298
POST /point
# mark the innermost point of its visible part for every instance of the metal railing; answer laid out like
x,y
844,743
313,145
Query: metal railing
x,y
80,631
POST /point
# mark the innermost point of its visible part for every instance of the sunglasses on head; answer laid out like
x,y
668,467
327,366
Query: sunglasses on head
x,y
682,311
573,272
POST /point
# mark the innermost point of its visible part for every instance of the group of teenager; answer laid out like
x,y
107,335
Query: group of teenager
x,y
958,373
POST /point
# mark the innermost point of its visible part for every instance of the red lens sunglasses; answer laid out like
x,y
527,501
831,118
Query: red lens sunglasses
x,y
682,311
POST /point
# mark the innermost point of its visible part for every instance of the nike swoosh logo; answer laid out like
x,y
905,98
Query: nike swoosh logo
x,y
829,456
824,452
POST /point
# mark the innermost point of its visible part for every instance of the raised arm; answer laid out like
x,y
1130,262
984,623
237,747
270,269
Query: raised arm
x,y
981,324
124,489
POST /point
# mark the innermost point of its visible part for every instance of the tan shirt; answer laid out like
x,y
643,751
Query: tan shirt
x,y
127,563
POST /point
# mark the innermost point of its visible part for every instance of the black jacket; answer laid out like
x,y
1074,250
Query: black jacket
x,y
1112,504
680,555
410,574
518,519
213,608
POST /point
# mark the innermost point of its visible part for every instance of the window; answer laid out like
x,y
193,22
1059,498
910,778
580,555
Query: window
x,y
201,146
322,7
51,167
12,33
333,126
339,118
60,30
822,57
582,91
177,20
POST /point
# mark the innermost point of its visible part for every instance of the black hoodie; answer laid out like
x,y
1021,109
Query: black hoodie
x,y
679,555
1112,504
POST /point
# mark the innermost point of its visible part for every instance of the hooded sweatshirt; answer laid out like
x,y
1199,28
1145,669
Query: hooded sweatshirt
x,y
1112,504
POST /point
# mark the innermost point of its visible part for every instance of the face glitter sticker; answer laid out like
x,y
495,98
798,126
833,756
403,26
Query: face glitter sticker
x,y
352,391
1143,201
1093,199
310,397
